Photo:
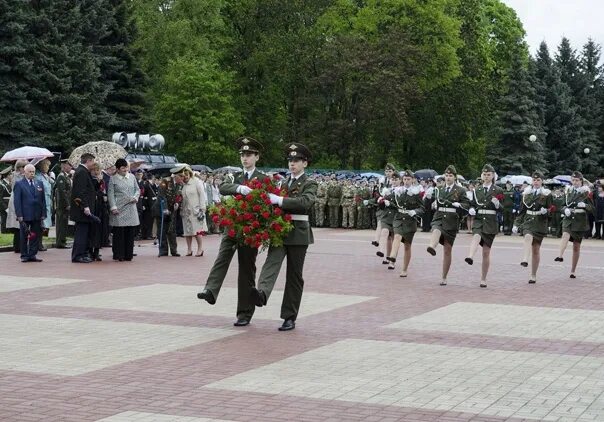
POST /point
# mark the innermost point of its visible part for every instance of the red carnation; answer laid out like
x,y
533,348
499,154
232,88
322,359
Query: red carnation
x,y
223,211
421,194
267,181
288,217
247,229
257,244
265,236
243,206
249,197
248,216
256,208
232,212
231,233
278,211
552,209
266,214
178,199
267,201
499,197
239,218
277,227
263,195
215,219
239,197
228,222
255,224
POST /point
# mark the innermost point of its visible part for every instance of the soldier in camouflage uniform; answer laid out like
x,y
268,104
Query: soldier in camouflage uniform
x,y
348,205
578,205
321,202
334,196
362,194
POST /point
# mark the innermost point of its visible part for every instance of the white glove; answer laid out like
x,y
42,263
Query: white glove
x,y
495,202
387,203
166,212
581,205
472,211
434,205
244,190
515,229
365,202
412,213
456,204
87,211
385,192
567,212
275,199
543,211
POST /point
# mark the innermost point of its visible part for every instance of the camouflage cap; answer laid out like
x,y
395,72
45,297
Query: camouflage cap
x,y
488,168
451,170
248,144
296,151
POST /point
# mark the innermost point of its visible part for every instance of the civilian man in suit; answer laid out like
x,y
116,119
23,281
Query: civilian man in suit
x,y
82,206
249,151
30,208
302,193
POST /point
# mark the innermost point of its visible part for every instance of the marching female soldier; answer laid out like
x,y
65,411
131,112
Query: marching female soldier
x,y
534,210
577,205
484,203
410,207
386,204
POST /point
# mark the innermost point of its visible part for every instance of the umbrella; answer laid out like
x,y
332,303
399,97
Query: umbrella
x,y
426,174
228,169
371,174
563,179
517,180
27,153
106,153
552,182
201,167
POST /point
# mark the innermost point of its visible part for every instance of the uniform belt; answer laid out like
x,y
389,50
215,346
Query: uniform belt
x,y
6,197
578,211
529,212
299,217
491,212
443,209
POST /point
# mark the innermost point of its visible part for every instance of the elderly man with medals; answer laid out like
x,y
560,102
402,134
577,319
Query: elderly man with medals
x,y
577,205
410,207
449,198
484,202
535,208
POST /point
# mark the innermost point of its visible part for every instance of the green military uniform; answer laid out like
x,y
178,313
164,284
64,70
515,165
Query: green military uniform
x,y
555,221
5,192
166,199
348,206
446,218
363,194
508,210
320,204
62,193
246,276
486,223
301,197
334,198
576,219
531,218
388,207
410,207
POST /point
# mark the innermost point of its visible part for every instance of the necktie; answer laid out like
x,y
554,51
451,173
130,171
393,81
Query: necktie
x,y
246,177
291,182
486,190
448,190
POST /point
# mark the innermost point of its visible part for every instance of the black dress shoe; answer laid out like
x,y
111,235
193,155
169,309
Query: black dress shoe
x,y
206,295
469,261
380,254
258,297
84,260
175,254
288,324
431,250
559,259
241,323
524,264
573,276
374,243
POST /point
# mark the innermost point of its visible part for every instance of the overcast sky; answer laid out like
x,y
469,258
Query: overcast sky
x,y
550,20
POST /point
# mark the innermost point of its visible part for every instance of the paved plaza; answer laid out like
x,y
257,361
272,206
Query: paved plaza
x,y
130,342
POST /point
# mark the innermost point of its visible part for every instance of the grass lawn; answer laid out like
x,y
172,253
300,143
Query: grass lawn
x,y
6,239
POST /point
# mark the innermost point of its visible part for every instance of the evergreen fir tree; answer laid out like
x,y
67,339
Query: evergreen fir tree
x,y
15,63
519,119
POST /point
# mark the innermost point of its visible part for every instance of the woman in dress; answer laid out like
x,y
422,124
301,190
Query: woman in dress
x,y
122,194
42,175
193,210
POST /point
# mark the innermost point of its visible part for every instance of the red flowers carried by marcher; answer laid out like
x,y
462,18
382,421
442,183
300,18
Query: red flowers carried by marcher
x,y
499,197
251,219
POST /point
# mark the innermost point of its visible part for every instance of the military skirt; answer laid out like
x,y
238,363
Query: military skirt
x,y
404,228
486,239
575,236
446,235
387,220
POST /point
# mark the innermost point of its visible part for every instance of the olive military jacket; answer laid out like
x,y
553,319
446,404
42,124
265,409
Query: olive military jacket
x,y
445,213
408,200
5,192
529,217
578,221
301,196
62,193
486,213
229,187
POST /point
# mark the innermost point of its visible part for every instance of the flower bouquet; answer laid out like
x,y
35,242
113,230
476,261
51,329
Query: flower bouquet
x,y
250,219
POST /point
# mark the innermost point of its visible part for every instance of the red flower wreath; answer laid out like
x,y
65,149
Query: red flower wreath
x,y
250,219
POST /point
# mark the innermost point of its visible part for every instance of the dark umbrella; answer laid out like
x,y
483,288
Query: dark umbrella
x,y
425,174
228,169
201,168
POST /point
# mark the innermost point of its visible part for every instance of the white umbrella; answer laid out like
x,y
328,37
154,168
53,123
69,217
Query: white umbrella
x,y
517,180
27,153
106,153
